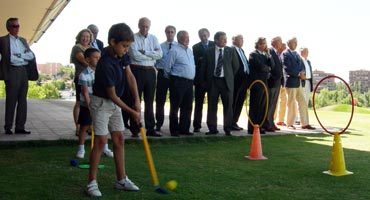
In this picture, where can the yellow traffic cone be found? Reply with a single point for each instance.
(337, 163)
(256, 147)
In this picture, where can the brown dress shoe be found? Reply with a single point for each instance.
(281, 124)
(309, 127)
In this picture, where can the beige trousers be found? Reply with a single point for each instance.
(282, 105)
(296, 95)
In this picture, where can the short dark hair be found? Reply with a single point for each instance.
(90, 51)
(10, 20)
(120, 32)
(218, 35)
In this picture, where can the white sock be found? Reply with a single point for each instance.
(92, 182)
(81, 147)
(106, 147)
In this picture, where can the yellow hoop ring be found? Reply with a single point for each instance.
(267, 101)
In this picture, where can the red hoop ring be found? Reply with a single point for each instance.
(267, 101)
(314, 108)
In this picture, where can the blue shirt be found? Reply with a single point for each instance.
(180, 62)
(110, 72)
(165, 46)
(86, 78)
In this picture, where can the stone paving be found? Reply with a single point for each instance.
(53, 120)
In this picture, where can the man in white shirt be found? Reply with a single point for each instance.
(308, 70)
(18, 57)
(144, 52)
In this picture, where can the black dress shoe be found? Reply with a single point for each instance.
(153, 133)
(228, 133)
(270, 129)
(186, 133)
(236, 128)
(212, 132)
(22, 131)
(158, 129)
(196, 130)
(8, 131)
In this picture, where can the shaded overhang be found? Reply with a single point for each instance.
(35, 16)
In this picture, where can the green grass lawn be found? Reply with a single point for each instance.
(205, 167)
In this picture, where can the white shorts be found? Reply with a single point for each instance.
(106, 116)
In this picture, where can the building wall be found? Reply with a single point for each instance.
(362, 77)
(49, 68)
(328, 83)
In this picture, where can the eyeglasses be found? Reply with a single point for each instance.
(14, 26)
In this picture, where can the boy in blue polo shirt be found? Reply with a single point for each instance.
(110, 79)
(86, 81)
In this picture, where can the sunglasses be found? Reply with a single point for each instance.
(14, 26)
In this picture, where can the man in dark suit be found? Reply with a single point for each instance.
(96, 43)
(274, 83)
(294, 76)
(219, 80)
(199, 89)
(261, 65)
(17, 57)
(241, 81)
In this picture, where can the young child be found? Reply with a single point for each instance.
(85, 81)
(111, 72)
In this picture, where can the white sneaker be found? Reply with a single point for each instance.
(127, 185)
(108, 153)
(80, 154)
(92, 189)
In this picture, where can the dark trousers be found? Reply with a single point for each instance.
(257, 105)
(240, 89)
(127, 98)
(160, 97)
(273, 99)
(146, 81)
(16, 88)
(219, 88)
(181, 97)
(199, 93)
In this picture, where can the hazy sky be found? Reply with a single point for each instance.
(335, 31)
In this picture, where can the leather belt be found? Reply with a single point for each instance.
(133, 66)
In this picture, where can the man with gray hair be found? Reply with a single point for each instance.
(308, 88)
(144, 52)
(274, 83)
(294, 76)
(241, 80)
(180, 68)
(98, 44)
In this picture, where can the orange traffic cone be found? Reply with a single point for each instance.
(337, 163)
(256, 147)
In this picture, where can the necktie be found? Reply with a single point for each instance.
(170, 45)
(205, 46)
(220, 63)
(244, 60)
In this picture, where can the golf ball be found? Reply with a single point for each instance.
(74, 162)
(171, 185)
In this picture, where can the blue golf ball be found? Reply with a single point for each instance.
(74, 162)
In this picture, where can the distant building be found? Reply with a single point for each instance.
(360, 78)
(49, 68)
(328, 83)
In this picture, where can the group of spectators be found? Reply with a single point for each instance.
(209, 69)
(136, 65)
